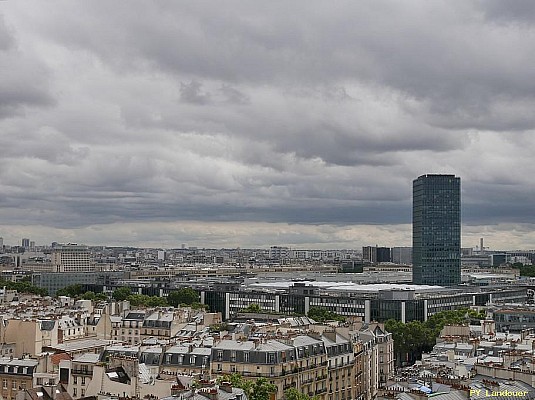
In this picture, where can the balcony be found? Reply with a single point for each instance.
(77, 371)
(288, 386)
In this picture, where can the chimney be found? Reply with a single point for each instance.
(226, 387)
(210, 394)
(330, 334)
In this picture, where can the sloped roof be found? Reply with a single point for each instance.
(56, 358)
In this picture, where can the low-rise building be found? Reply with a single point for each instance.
(16, 374)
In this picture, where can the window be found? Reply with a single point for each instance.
(83, 392)
(13, 384)
(4, 383)
(83, 380)
(74, 393)
(74, 380)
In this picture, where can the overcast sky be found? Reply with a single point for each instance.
(258, 123)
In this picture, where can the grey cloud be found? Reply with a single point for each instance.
(521, 11)
(233, 95)
(24, 78)
(192, 93)
(450, 58)
(173, 112)
(6, 39)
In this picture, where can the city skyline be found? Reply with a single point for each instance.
(258, 124)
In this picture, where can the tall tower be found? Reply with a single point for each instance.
(436, 230)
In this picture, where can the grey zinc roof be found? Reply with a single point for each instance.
(177, 350)
(136, 315)
(273, 345)
(305, 341)
(234, 345)
(17, 362)
(158, 316)
(203, 351)
(87, 358)
(75, 345)
(339, 340)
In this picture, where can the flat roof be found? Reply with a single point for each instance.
(75, 345)
(348, 286)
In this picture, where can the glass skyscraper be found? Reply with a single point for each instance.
(436, 230)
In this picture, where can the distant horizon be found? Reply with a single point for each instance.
(264, 247)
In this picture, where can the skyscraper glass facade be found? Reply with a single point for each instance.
(436, 230)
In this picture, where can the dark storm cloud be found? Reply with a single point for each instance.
(300, 112)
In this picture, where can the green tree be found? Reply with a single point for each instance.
(71, 291)
(413, 338)
(321, 314)
(294, 394)
(200, 306)
(255, 389)
(101, 296)
(122, 293)
(156, 301)
(23, 287)
(525, 270)
(185, 295)
(137, 300)
(252, 308)
(262, 389)
(88, 296)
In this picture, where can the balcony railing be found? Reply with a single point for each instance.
(77, 371)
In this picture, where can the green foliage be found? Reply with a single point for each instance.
(219, 327)
(23, 287)
(294, 394)
(525, 270)
(142, 300)
(200, 306)
(255, 389)
(262, 389)
(321, 314)
(75, 291)
(185, 295)
(88, 296)
(70, 291)
(121, 294)
(413, 338)
(101, 296)
(252, 308)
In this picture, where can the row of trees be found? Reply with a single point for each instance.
(24, 286)
(183, 296)
(318, 314)
(413, 338)
(525, 270)
(261, 388)
(321, 314)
